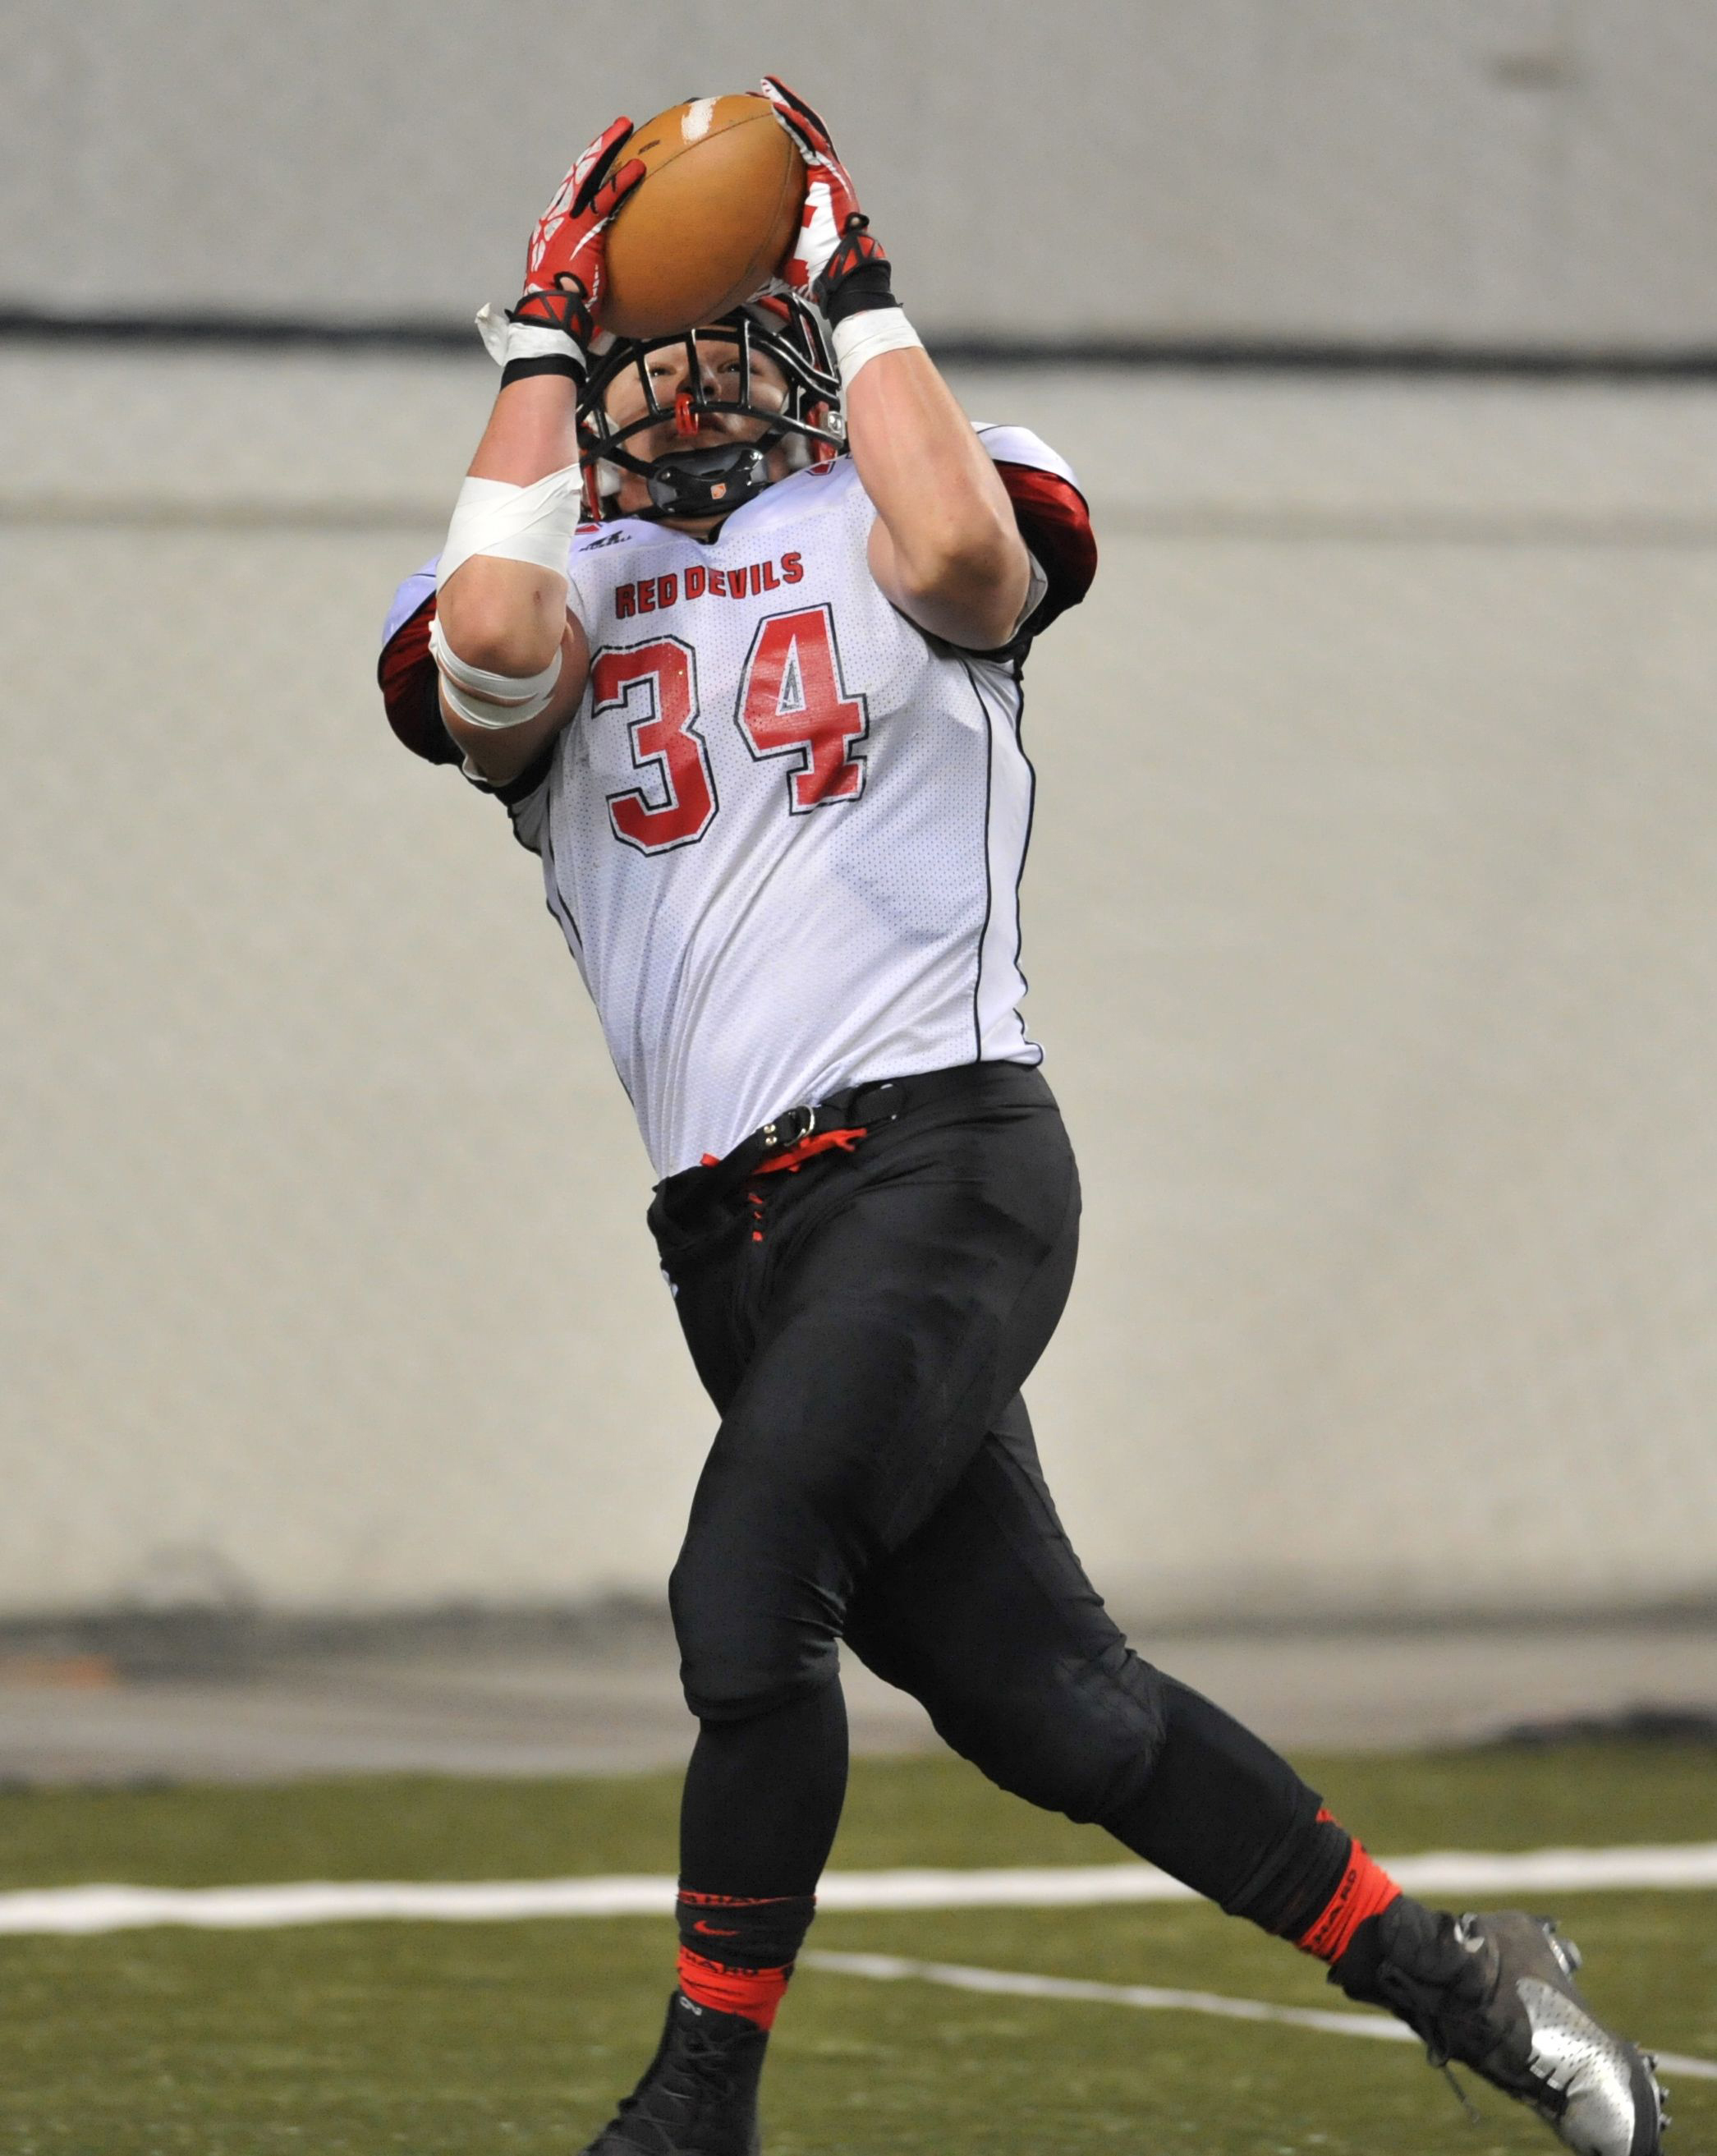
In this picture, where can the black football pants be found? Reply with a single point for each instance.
(865, 1324)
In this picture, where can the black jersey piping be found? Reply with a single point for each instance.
(1025, 848)
(983, 934)
(562, 914)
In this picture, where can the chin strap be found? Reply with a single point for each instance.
(708, 482)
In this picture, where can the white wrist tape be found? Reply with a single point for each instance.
(861, 337)
(493, 702)
(506, 340)
(514, 523)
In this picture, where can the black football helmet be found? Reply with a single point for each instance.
(708, 482)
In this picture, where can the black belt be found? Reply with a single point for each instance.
(863, 1108)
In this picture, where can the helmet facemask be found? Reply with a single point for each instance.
(711, 480)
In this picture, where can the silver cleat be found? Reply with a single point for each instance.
(1497, 1993)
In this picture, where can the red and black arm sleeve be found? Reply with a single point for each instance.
(1056, 524)
(411, 689)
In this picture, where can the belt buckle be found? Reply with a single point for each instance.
(792, 1125)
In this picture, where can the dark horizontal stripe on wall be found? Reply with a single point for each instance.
(1267, 356)
(235, 332)
(20, 325)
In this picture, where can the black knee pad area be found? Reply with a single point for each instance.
(736, 1661)
(717, 1690)
(1079, 1735)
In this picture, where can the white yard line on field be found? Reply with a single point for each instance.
(892, 1968)
(1451, 1873)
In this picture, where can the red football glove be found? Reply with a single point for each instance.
(835, 261)
(566, 266)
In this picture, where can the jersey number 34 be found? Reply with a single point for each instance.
(792, 703)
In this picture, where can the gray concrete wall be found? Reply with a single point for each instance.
(1369, 924)
(1536, 171)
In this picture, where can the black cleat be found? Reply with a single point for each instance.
(698, 2094)
(1496, 1994)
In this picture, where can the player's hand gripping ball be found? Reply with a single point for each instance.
(565, 269)
(718, 209)
(834, 238)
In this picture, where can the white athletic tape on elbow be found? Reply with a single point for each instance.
(532, 524)
(493, 702)
(864, 337)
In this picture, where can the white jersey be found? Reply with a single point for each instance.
(784, 832)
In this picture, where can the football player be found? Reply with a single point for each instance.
(758, 710)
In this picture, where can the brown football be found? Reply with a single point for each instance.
(708, 227)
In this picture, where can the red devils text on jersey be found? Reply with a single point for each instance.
(784, 832)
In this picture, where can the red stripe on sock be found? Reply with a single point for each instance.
(755, 1992)
(1365, 1889)
(732, 1901)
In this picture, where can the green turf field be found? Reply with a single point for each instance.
(516, 2037)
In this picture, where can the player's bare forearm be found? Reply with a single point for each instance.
(513, 661)
(506, 615)
(510, 617)
(945, 548)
